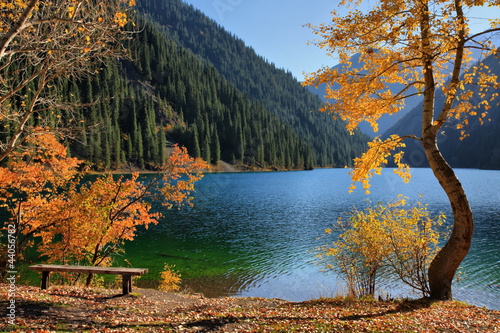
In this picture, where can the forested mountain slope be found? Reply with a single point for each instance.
(480, 149)
(169, 92)
(278, 91)
(223, 103)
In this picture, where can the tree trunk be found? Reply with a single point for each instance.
(445, 264)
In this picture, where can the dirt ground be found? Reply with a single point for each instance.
(74, 309)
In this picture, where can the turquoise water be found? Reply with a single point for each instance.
(253, 234)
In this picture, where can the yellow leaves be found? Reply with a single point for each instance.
(375, 158)
(117, 207)
(170, 279)
(404, 240)
(11, 5)
(403, 170)
(121, 19)
(391, 51)
(363, 94)
(77, 223)
(71, 11)
(36, 176)
(87, 48)
(180, 174)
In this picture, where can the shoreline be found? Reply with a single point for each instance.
(220, 168)
(64, 308)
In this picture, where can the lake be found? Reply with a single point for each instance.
(254, 234)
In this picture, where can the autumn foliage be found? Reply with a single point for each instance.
(107, 211)
(391, 51)
(43, 41)
(390, 238)
(41, 187)
(30, 185)
(170, 279)
(409, 49)
(85, 223)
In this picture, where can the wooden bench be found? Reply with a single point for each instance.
(126, 273)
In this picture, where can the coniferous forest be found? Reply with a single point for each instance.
(278, 90)
(201, 87)
(169, 93)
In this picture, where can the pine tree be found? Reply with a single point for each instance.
(162, 146)
(117, 146)
(196, 142)
(206, 149)
(216, 148)
(139, 148)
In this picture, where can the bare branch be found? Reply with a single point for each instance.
(45, 42)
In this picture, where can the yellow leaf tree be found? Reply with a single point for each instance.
(423, 46)
(101, 215)
(41, 41)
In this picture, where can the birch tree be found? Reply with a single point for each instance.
(421, 44)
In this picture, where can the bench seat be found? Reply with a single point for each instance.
(125, 272)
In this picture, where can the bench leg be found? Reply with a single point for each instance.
(126, 284)
(45, 279)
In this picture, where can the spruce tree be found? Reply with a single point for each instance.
(196, 142)
(139, 148)
(206, 149)
(162, 146)
(216, 148)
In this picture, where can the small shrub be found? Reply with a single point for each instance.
(98, 281)
(400, 240)
(413, 238)
(170, 279)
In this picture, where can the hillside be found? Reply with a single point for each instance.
(190, 82)
(480, 149)
(250, 73)
(169, 93)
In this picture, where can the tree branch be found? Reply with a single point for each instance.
(455, 78)
(17, 28)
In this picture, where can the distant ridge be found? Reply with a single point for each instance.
(481, 149)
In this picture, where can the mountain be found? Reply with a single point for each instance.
(277, 90)
(386, 121)
(168, 93)
(189, 81)
(480, 149)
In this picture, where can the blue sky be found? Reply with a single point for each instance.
(274, 28)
